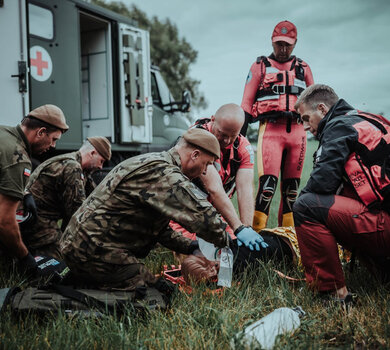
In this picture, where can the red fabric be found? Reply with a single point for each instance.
(178, 228)
(274, 141)
(349, 223)
(369, 179)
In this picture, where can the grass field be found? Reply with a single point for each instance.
(200, 321)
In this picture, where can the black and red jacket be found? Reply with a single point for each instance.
(349, 142)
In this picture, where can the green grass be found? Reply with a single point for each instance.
(200, 321)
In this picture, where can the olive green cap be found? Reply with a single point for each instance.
(203, 139)
(50, 114)
(102, 145)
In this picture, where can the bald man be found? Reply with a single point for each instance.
(233, 171)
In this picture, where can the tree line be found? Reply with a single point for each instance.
(171, 53)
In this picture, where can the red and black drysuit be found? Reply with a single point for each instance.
(324, 218)
(271, 90)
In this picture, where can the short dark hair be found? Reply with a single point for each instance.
(32, 123)
(316, 94)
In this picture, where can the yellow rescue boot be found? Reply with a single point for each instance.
(288, 220)
(259, 221)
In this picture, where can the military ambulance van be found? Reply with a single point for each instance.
(92, 63)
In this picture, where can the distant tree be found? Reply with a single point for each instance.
(174, 55)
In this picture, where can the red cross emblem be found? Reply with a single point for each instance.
(39, 63)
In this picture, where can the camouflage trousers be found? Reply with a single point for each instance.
(52, 250)
(43, 237)
(107, 276)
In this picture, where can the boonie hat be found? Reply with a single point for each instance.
(285, 31)
(203, 139)
(50, 114)
(102, 145)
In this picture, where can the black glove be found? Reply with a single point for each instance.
(166, 287)
(194, 245)
(28, 265)
(30, 206)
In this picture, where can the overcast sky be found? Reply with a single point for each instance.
(345, 42)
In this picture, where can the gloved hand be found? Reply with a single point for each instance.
(194, 245)
(164, 286)
(249, 237)
(28, 265)
(30, 206)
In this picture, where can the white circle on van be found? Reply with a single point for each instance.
(166, 120)
(41, 65)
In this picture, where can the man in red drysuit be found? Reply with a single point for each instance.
(332, 208)
(272, 87)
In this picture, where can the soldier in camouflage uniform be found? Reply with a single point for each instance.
(58, 187)
(38, 131)
(129, 211)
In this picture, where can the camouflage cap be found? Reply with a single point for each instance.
(203, 139)
(50, 114)
(102, 145)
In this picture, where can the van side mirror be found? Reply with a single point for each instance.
(185, 101)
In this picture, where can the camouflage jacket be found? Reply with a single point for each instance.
(57, 186)
(129, 211)
(15, 163)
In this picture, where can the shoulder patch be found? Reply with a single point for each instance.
(27, 172)
(249, 77)
(197, 192)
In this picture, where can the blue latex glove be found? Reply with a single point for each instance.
(250, 238)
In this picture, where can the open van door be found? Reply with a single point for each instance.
(14, 99)
(55, 63)
(134, 74)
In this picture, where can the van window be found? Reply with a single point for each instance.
(40, 22)
(163, 91)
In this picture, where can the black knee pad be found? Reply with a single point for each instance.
(289, 193)
(267, 187)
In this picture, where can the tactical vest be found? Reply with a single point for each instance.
(226, 163)
(368, 168)
(277, 86)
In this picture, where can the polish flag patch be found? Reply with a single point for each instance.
(27, 172)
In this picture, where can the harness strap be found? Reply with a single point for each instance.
(299, 70)
(263, 59)
(234, 163)
(83, 298)
(280, 90)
